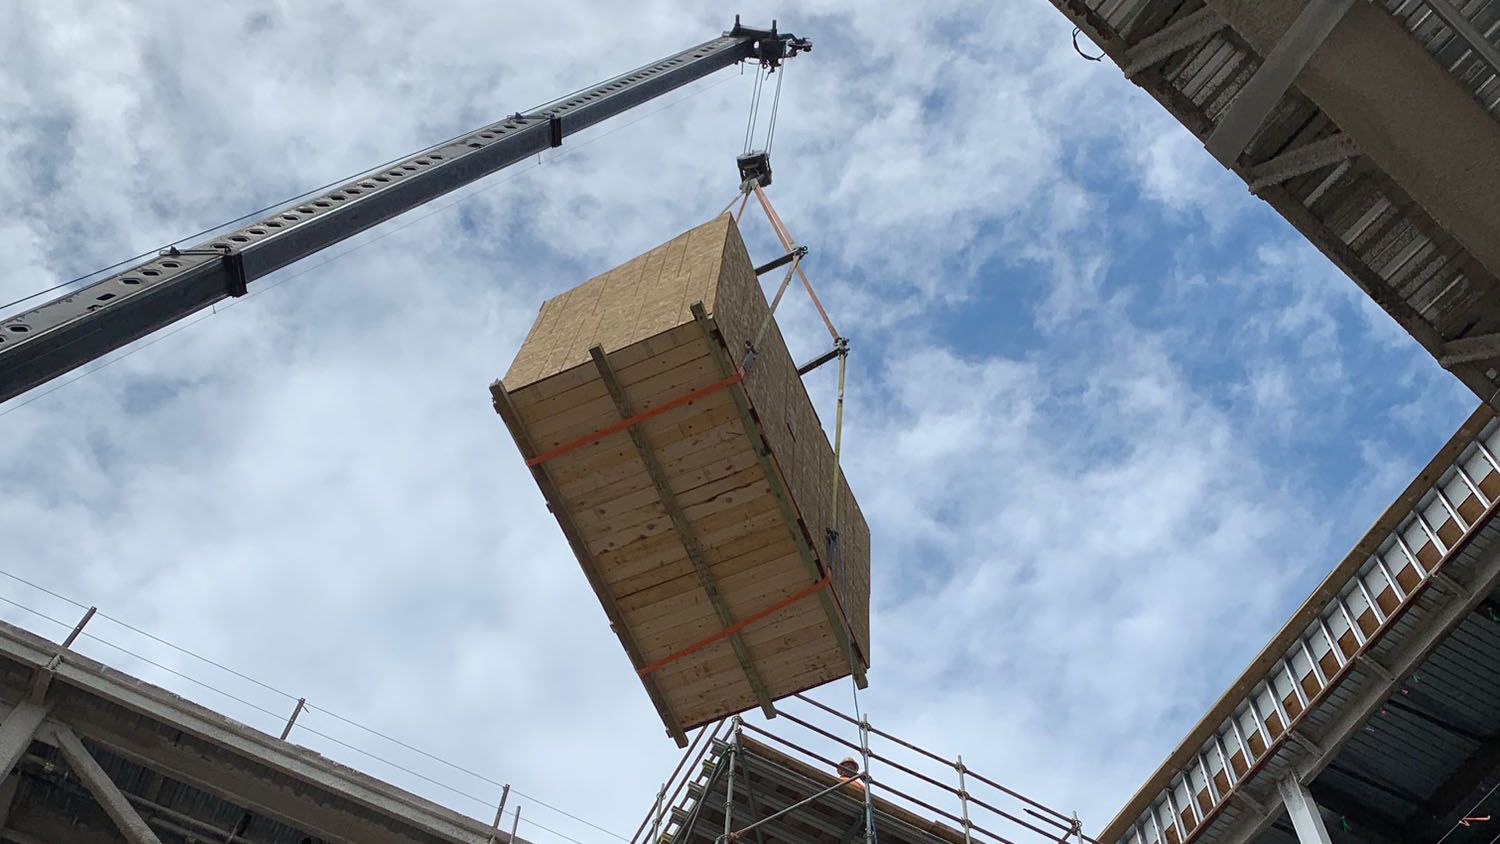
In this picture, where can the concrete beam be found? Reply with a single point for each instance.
(1303, 810)
(1303, 159)
(17, 731)
(1175, 37)
(1404, 110)
(216, 754)
(129, 822)
(1255, 102)
(1485, 347)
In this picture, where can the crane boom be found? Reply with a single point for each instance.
(72, 330)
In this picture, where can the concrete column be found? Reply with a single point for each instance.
(17, 731)
(113, 801)
(1304, 812)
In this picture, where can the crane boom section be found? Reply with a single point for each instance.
(54, 338)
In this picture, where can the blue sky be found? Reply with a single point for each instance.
(1109, 417)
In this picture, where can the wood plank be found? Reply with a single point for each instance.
(651, 377)
(684, 474)
(760, 575)
(636, 507)
(641, 352)
(698, 503)
(783, 499)
(697, 626)
(770, 532)
(680, 518)
(606, 599)
(747, 593)
(698, 683)
(578, 420)
(609, 460)
(643, 564)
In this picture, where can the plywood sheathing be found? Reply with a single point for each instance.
(641, 315)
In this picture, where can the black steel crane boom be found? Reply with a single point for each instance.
(68, 332)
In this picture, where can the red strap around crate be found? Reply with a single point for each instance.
(636, 419)
(735, 627)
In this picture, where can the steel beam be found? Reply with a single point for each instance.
(684, 528)
(1303, 810)
(129, 822)
(1275, 76)
(1456, 792)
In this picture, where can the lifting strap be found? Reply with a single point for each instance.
(636, 419)
(736, 627)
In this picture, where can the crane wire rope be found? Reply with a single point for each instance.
(775, 107)
(272, 285)
(754, 112)
(291, 697)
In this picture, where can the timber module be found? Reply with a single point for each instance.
(668, 427)
(700, 496)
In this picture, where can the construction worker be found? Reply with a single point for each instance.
(849, 772)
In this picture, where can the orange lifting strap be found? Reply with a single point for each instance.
(636, 419)
(736, 627)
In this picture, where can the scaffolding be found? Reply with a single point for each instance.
(779, 791)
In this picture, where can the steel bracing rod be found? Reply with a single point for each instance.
(70, 331)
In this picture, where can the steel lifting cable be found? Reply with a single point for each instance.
(750, 120)
(775, 107)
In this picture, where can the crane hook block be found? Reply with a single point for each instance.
(755, 165)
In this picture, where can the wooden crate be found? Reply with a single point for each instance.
(703, 526)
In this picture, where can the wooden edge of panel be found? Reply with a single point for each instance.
(507, 411)
(720, 353)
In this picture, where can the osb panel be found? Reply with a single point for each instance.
(708, 463)
(795, 434)
(642, 297)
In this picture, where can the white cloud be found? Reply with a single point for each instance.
(310, 486)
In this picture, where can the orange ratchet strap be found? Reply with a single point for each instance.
(736, 627)
(639, 417)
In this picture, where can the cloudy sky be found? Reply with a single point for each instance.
(1109, 418)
